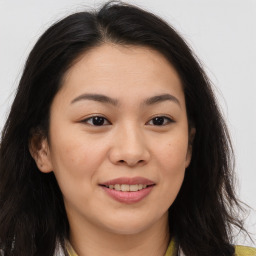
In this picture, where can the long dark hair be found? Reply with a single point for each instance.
(33, 217)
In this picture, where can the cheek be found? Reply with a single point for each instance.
(75, 167)
(75, 159)
(171, 159)
(172, 154)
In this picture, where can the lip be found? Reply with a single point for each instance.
(129, 181)
(128, 197)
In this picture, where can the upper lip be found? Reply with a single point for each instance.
(129, 181)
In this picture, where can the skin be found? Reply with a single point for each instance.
(128, 144)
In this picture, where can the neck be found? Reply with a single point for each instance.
(89, 240)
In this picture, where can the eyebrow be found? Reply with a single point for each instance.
(105, 99)
(96, 97)
(161, 98)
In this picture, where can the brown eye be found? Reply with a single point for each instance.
(160, 121)
(96, 121)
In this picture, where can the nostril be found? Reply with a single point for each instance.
(123, 161)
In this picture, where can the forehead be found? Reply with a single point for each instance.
(125, 58)
(122, 70)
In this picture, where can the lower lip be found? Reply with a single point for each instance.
(128, 197)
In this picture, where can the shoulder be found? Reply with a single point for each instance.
(245, 251)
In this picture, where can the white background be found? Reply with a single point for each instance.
(221, 32)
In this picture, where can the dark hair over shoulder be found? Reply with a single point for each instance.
(33, 218)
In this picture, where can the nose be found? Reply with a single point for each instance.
(129, 148)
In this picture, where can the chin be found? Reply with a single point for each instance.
(127, 229)
(130, 226)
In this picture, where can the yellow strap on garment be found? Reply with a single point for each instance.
(245, 251)
(70, 250)
(171, 248)
(239, 250)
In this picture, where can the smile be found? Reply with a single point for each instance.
(128, 190)
(127, 187)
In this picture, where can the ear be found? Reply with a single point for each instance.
(192, 134)
(40, 151)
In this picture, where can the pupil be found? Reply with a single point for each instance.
(158, 121)
(98, 120)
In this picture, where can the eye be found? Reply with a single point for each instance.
(96, 121)
(160, 121)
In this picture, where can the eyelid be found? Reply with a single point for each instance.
(169, 118)
(91, 117)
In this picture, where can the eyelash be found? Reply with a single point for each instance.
(167, 120)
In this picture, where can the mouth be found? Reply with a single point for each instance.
(128, 190)
(127, 187)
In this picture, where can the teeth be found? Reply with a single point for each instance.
(117, 187)
(134, 187)
(126, 187)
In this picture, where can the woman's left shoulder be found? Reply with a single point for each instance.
(245, 251)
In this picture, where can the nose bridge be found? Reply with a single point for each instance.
(129, 145)
(132, 137)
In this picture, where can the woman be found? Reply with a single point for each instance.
(115, 145)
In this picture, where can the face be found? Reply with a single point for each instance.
(118, 142)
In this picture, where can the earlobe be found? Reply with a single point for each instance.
(39, 150)
(192, 134)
